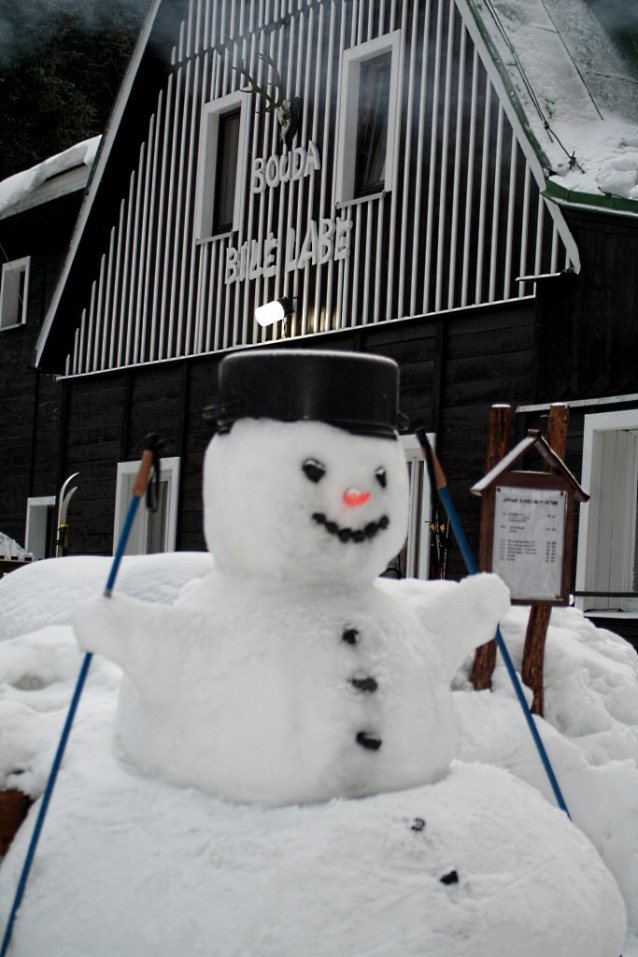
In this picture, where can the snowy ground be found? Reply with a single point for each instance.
(145, 847)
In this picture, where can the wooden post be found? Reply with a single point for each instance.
(497, 441)
(539, 615)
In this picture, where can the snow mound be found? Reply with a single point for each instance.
(590, 732)
(46, 592)
(619, 176)
(177, 866)
(136, 868)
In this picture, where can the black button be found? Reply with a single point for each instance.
(367, 741)
(365, 684)
(350, 636)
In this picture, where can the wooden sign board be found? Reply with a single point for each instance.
(527, 536)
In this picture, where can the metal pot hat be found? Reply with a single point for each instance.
(349, 390)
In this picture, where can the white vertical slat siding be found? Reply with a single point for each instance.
(496, 206)
(419, 157)
(117, 289)
(133, 299)
(464, 220)
(150, 206)
(522, 269)
(166, 298)
(80, 351)
(391, 306)
(163, 119)
(509, 232)
(442, 259)
(98, 320)
(467, 232)
(187, 278)
(141, 291)
(108, 295)
(478, 289)
(456, 183)
(407, 190)
(432, 181)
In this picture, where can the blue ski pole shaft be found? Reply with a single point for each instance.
(138, 491)
(441, 484)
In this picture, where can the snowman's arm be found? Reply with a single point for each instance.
(458, 616)
(141, 637)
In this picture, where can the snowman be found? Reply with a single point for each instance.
(293, 673)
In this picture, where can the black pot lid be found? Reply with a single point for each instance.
(350, 390)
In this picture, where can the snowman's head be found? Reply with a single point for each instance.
(304, 501)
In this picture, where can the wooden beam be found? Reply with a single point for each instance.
(538, 623)
(497, 440)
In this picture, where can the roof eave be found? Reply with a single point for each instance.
(43, 346)
(599, 202)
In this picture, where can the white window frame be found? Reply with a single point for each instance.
(207, 164)
(35, 533)
(13, 313)
(420, 508)
(126, 473)
(349, 79)
(606, 531)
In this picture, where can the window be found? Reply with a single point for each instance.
(41, 530)
(607, 546)
(372, 125)
(413, 560)
(368, 127)
(152, 532)
(13, 293)
(222, 156)
(227, 155)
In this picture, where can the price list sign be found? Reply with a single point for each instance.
(529, 541)
(527, 536)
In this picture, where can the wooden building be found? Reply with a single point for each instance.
(438, 181)
(38, 211)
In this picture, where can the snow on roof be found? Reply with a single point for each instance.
(56, 176)
(579, 93)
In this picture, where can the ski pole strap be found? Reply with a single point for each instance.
(453, 519)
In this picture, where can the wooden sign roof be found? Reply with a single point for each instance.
(534, 439)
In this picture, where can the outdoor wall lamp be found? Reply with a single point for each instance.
(274, 311)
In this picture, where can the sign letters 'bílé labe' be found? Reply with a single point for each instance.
(526, 536)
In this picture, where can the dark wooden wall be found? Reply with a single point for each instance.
(452, 369)
(588, 323)
(31, 401)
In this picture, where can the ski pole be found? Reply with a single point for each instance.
(150, 458)
(438, 479)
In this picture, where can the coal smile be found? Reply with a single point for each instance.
(352, 534)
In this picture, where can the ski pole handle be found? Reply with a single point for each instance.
(144, 473)
(150, 458)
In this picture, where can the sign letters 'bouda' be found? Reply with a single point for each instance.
(324, 239)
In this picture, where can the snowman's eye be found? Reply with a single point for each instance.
(313, 470)
(381, 477)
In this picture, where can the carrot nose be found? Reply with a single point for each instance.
(354, 497)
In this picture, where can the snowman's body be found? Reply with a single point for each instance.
(292, 674)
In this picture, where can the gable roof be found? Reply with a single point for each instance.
(546, 58)
(576, 89)
(122, 133)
